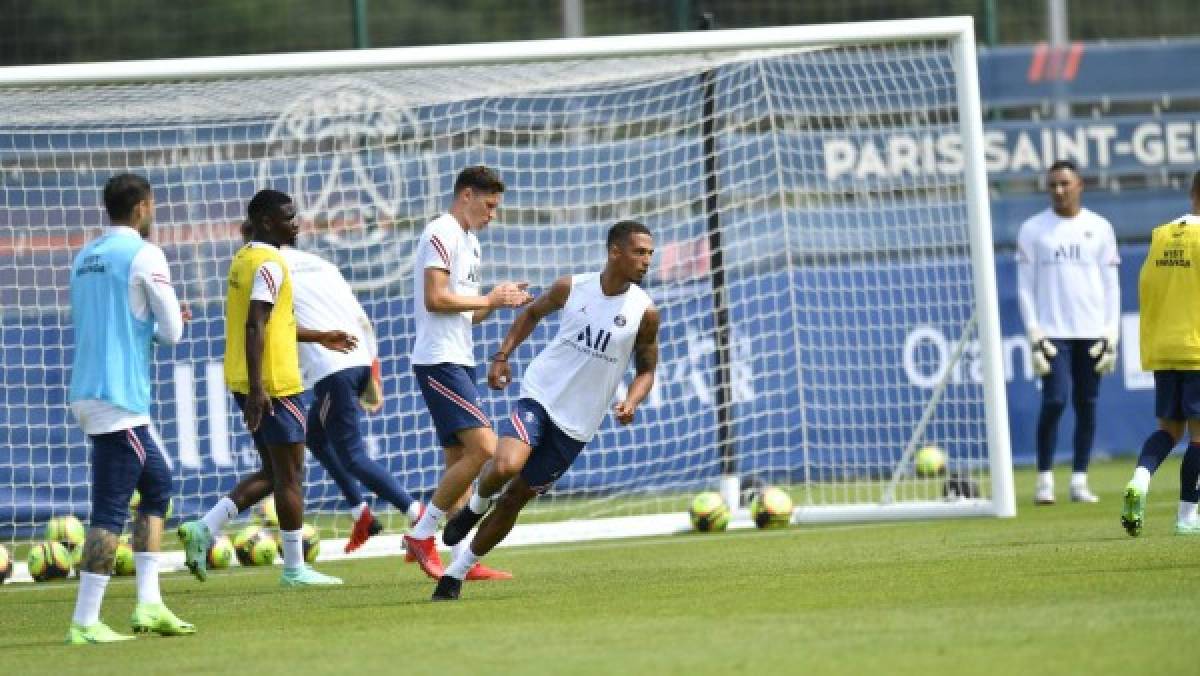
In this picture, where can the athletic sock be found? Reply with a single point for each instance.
(146, 565)
(1155, 449)
(89, 598)
(293, 548)
(414, 511)
(1141, 479)
(464, 560)
(1189, 474)
(222, 513)
(357, 511)
(1045, 481)
(428, 523)
(1187, 512)
(478, 504)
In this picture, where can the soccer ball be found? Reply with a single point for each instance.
(264, 512)
(68, 530)
(709, 513)
(930, 461)
(311, 542)
(254, 547)
(772, 508)
(6, 565)
(220, 553)
(123, 563)
(49, 561)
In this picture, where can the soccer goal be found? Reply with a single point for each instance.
(824, 263)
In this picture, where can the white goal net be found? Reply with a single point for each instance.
(823, 264)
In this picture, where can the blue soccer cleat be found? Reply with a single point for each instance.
(196, 540)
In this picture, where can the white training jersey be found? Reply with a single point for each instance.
(575, 377)
(445, 337)
(324, 301)
(1067, 275)
(150, 293)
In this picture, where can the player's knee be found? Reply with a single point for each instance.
(506, 466)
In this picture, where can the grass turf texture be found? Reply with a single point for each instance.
(1057, 590)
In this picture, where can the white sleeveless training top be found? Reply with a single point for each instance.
(575, 377)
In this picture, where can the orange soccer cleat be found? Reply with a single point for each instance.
(482, 572)
(364, 527)
(425, 553)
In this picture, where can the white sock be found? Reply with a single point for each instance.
(478, 504)
(293, 548)
(464, 560)
(1187, 511)
(428, 523)
(91, 595)
(1078, 479)
(1045, 481)
(457, 550)
(1141, 479)
(222, 513)
(146, 565)
(414, 511)
(358, 510)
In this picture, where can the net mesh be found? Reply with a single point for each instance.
(837, 178)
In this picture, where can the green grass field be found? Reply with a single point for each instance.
(1057, 590)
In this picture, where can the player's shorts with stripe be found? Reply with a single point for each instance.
(284, 424)
(452, 399)
(553, 451)
(1177, 395)
(122, 461)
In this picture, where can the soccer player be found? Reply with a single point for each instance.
(565, 392)
(447, 281)
(1070, 302)
(1168, 288)
(122, 303)
(341, 382)
(263, 371)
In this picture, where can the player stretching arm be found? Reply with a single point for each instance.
(565, 392)
(121, 303)
(263, 371)
(1170, 342)
(447, 303)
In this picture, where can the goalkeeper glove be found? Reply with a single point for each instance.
(1041, 351)
(1104, 351)
(372, 397)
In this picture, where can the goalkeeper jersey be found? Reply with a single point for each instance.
(1168, 289)
(1067, 275)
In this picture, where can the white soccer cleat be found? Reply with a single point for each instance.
(1082, 494)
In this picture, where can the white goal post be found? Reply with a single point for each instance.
(824, 263)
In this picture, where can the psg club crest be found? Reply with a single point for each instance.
(345, 152)
(619, 320)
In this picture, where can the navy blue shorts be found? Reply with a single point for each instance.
(553, 451)
(285, 424)
(121, 462)
(1177, 395)
(452, 399)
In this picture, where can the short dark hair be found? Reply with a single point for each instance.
(1196, 184)
(479, 178)
(1063, 164)
(620, 233)
(122, 193)
(265, 202)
